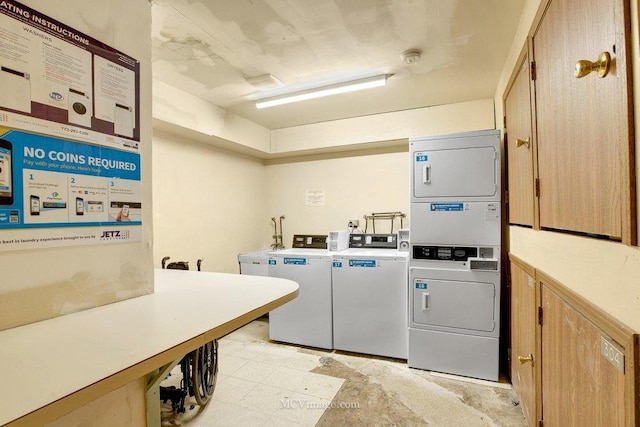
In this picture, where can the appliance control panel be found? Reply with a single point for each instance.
(309, 241)
(388, 241)
(477, 258)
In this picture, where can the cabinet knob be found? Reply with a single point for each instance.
(525, 142)
(601, 66)
(525, 359)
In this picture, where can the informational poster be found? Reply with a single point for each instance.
(60, 82)
(69, 136)
(56, 192)
(314, 197)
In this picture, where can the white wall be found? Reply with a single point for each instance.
(605, 273)
(353, 186)
(208, 203)
(229, 208)
(358, 182)
(440, 119)
(44, 283)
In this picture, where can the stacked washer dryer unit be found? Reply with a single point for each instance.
(454, 269)
(370, 296)
(308, 319)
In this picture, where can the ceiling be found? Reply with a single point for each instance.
(209, 48)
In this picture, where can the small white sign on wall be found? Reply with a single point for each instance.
(314, 197)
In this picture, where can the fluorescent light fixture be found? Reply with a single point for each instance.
(318, 92)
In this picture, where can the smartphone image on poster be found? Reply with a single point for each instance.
(125, 211)
(34, 202)
(79, 206)
(6, 173)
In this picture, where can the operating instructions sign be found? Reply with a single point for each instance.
(69, 135)
(61, 82)
(56, 192)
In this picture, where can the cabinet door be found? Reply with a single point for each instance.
(584, 147)
(519, 147)
(580, 386)
(523, 340)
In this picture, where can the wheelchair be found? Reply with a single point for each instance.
(199, 368)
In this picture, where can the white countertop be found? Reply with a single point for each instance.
(43, 362)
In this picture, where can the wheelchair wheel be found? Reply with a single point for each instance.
(205, 371)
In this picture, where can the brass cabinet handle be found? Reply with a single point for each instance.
(601, 66)
(525, 142)
(525, 359)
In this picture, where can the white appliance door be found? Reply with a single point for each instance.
(307, 319)
(461, 305)
(370, 306)
(456, 172)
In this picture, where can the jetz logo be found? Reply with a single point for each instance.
(115, 235)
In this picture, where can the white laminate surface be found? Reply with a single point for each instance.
(46, 361)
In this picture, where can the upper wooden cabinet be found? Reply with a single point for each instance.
(581, 129)
(519, 145)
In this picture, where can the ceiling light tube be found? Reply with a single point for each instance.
(318, 92)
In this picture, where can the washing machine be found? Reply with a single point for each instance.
(15, 90)
(255, 263)
(370, 296)
(80, 109)
(308, 319)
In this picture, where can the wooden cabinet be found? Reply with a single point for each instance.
(584, 368)
(519, 145)
(523, 337)
(582, 148)
(581, 386)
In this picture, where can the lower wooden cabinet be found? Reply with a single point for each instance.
(571, 363)
(579, 382)
(523, 338)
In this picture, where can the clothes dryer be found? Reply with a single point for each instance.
(370, 296)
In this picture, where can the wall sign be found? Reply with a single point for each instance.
(81, 183)
(61, 193)
(314, 197)
(61, 82)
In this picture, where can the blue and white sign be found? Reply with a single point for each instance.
(447, 207)
(66, 193)
(421, 285)
(422, 157)
(337, 264)
(295, 261)
(272, 262)
(362, 263)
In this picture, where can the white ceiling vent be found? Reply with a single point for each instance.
(264, 81)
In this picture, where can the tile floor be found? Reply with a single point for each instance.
(262, 383)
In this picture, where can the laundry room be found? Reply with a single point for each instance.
(392, 212)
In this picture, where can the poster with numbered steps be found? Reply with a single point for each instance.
(67, 193)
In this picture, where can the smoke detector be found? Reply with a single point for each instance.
(411, 56)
